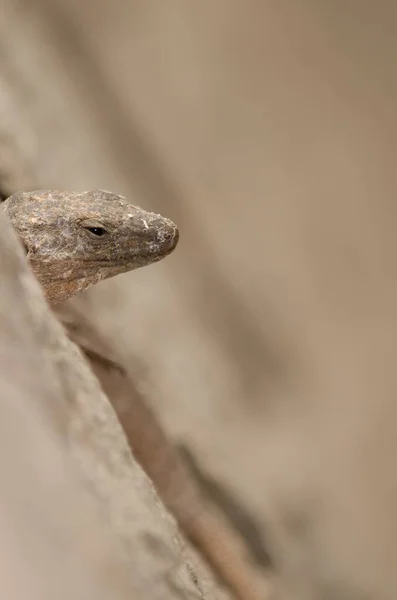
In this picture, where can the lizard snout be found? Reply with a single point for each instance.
(172, 237)
(167, 236)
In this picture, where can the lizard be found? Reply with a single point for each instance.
(73, 241)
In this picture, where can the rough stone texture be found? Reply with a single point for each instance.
(50, 376)
(268, 134)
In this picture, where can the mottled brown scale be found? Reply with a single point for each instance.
(67, 258)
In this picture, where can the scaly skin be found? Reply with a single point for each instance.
(74, 240)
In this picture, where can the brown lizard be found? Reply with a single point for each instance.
(73, 241)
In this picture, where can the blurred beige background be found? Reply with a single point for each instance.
(267, 131)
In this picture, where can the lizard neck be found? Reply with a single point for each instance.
(55, 293)
(61, 283)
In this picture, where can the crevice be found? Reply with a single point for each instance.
(233, 508)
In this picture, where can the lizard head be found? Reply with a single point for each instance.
(74, 240)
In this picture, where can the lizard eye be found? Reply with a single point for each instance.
(96, 230)
(94, 227)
